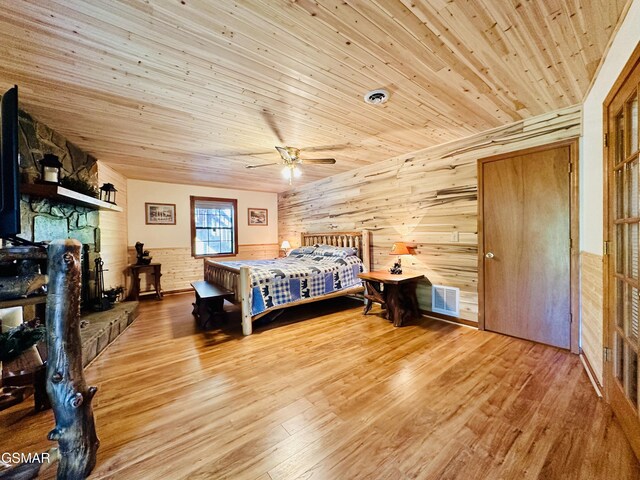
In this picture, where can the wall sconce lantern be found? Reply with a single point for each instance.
(50, 168)
(108, 193)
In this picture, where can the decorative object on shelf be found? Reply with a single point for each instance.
(399, 248)
(108, 193)
(258, 216)
(50, 168)
(80, 186)
(142, 255)
(160, 213)
(285, 247)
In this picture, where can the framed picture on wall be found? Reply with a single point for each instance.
(160, 213)
(258, 216)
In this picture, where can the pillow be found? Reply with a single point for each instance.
(331, 251)
(303, 250)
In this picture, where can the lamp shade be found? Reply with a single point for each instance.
(285, 245)
(399, 248)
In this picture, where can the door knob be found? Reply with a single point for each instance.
(489, 255)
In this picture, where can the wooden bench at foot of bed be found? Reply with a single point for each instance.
(209, 304)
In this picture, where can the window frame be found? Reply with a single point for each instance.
(232, 201)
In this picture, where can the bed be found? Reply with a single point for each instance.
(307, 275)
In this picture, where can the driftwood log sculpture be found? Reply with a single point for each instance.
(69, 394)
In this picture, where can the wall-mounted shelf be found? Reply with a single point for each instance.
(64, 195)
(21, 302)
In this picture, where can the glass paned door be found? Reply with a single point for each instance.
(623, 287)
(626, 224)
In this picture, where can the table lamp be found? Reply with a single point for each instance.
(285, 247)
(399, 248)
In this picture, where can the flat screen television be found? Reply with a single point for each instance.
(9, 167)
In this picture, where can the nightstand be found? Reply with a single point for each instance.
(396, 292)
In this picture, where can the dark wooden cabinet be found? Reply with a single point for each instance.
(135, 271)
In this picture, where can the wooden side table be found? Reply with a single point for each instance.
(396, 292)
(135, 280)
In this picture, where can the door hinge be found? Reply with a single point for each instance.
(606, 247)
(571, 318)
(606, 139)
(606, 354)
(570, 167)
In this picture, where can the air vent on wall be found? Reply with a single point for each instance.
(445, 300)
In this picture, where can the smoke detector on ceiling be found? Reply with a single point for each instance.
(376, 97)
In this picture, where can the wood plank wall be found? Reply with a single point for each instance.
(591, 310)
(426, 198)
(113, 229)
(179, 268)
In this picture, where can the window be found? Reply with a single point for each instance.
(214, 226)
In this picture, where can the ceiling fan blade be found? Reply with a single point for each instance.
(327, 148)
(262, 165)
(269, 119)
(320, 161)
(247, 154)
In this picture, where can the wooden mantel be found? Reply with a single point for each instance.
(64, 195)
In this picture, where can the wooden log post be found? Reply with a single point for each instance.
(245, 300)
(67, 389)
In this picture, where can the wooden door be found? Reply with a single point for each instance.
(526, 232)
(622, 220)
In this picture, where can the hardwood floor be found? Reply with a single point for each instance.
(337, 396)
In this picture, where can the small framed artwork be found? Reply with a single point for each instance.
(258, 216)
(160, 213)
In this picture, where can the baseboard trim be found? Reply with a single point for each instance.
(175, 292)
(449, 318)
(591, 374)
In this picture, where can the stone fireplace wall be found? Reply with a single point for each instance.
(43, 219)
(36, 139)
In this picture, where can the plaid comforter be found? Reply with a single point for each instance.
(285, 280)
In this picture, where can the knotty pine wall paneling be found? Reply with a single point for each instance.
(591, 310)
(113, 229)
(179, 268)
(426, 198)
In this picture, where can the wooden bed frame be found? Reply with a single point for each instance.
(238, 280)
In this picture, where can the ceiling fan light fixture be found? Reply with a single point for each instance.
(376, 97)
(290, 172)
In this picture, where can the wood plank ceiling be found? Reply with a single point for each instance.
(185, 91)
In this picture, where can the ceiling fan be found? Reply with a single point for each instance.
(291, 161)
